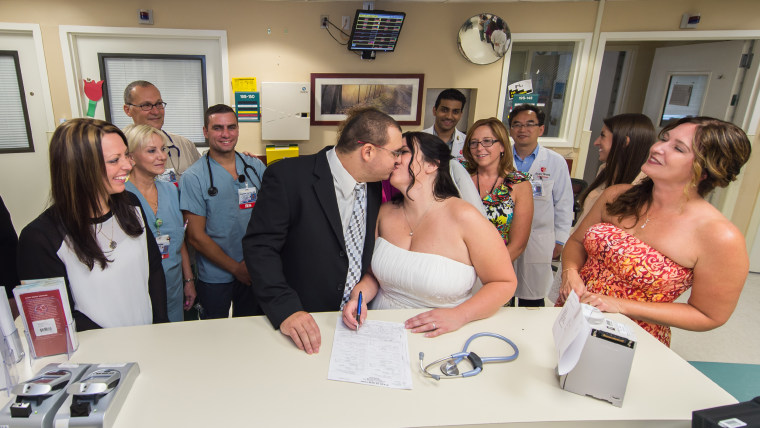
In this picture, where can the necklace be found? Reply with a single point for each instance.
(411, 229)
(112, 243)
(153, 204)
(151, 195)
(477, 178)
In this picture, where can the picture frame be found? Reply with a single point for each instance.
(333, 94)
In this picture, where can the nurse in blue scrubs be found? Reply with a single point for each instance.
(160, 202)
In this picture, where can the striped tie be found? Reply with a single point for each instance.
(354, 237)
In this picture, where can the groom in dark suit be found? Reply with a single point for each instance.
(296, 245)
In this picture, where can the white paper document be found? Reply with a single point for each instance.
(378, 354)
(571, 329)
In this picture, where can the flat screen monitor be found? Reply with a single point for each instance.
(375, 30)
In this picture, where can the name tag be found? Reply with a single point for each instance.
(247, 197)
(169, 176)
(163, 245)
(538, 188)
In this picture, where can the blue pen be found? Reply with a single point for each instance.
(359, 312)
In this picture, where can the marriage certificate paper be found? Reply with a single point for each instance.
(378, 354)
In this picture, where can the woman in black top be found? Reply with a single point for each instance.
(93, 235)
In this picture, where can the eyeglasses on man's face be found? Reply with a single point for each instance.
(485, 142)
(148, 107)
(396, 153)
(518, 125)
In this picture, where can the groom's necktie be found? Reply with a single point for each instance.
(354, 237)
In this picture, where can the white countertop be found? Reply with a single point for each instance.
(241, 372)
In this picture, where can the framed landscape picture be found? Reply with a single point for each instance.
(399, 95)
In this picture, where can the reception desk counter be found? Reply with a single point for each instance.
(240, 372)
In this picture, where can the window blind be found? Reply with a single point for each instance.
(180, 78)
(15, 131)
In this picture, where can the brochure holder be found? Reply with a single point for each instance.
(70, 332)
(12, 353)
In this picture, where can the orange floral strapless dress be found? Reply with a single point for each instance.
(621, 265)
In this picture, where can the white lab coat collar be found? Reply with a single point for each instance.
(540, 158)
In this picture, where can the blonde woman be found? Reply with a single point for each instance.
(160, 202)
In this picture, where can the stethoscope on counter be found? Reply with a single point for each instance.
(449, 368)
(212, 190)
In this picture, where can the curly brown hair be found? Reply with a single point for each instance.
(720, 150)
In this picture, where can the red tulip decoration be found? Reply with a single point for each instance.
(94, 92)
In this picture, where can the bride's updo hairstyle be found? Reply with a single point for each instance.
(434, 151)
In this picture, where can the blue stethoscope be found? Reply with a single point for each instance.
(213, 191)
(449, 369)
(173, 146)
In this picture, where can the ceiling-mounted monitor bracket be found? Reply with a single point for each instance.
(369, 5)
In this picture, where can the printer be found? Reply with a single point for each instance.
(595, 353)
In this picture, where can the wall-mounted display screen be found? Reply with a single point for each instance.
(375, 30)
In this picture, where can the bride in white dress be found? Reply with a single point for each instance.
(431, 247)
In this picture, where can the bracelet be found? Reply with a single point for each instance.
(565, 270)
(189, 280)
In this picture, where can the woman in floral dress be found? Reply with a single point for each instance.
(643, 245)
(506, 192)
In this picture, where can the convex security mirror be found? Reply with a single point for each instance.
(484, 38)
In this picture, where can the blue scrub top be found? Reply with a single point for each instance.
(226, 222)
(173, 225)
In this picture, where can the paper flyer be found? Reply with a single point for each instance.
(44, 308)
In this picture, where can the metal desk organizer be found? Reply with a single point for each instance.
(96, 399)
(75, 395)
(38, 399)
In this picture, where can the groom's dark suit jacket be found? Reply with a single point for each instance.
(294, 247)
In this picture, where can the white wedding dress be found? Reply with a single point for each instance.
(418, 280)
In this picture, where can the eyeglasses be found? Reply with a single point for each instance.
(529, 125)
(148, 107)
(396, 153)
(485, 142)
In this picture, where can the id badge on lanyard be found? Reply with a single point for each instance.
(247, 197)
(169, 175)
(538, 187)
(538, 182)
(163, 245)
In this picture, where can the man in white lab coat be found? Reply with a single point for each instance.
(552, 204)
(447, 111)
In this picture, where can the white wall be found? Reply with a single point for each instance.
(25, 177)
